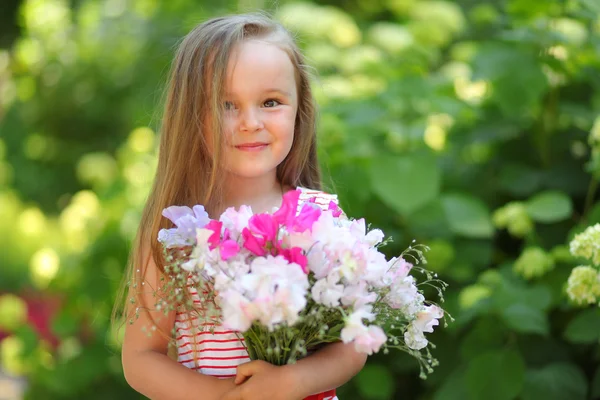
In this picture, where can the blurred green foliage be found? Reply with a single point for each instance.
(471, 126)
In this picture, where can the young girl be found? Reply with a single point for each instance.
(238, 128)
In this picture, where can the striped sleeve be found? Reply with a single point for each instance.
(322, 199)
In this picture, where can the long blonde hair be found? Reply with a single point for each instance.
(189, 164)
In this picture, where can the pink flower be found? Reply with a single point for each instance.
(215, 238)
(253, 244)
(335, 209)
(264, 225)
(228, 249)
(289, 206)
(306, 218)
(295, 255)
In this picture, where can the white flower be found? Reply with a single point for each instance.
(328, 233)
(352, 264)
(275, 288)
(358, 295)
(359, 231)
(327, 291)
(374, 237)
(370, 341)
(414, 338)
(377, 268)
(428, 318)
(354, 324)
(425, 320)
(303, 240)
(238, 312)
(318, 262)
(235, 221)
(405, 296)
(202, 258)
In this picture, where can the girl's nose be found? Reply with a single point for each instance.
(251, 121)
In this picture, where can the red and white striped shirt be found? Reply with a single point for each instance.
(218, 354)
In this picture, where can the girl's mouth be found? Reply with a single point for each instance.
(257, 146)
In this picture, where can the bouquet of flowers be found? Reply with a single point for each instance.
(291, 281)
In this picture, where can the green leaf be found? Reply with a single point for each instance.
(454, 387)
(585, 327)
(375, 382)
(538, 297)
(516, 76)
(430, 221)
(550, 206)
(407, 182)
(496, 375)
(525, 319)
(467, 215)
(519, 180)
(555, 382)
(486, 335)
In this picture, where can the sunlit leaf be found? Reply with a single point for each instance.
(406, 182)
(549, 207)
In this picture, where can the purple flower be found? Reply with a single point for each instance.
(186, 221)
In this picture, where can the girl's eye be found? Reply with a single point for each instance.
(271, 103)
(228, 105)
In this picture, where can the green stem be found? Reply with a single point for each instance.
(589, 198)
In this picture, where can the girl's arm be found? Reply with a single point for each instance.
(146, 365)
(327, 369)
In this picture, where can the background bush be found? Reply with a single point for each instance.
(467, 125)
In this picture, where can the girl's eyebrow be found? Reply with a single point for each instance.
(283, 92)
(280, 91)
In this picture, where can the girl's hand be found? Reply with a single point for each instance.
(262, 380)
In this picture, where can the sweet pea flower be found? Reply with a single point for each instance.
(186, 221)
(238, 311)
(236, 220)
(328, 291)
(286, 214)
(428, 318)
(253, 244)
(425, 320)
(336, 211)
(264, 225)
(354, 325)
(295, 255)
(414, 338)
(306, 218)
(229, 248)
(370, 341)
(405, 296)
(358, 295)
(215, 238)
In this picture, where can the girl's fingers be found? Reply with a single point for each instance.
(248, 369)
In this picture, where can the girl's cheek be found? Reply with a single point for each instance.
(230, 125)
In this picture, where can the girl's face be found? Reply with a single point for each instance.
(260, 109)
